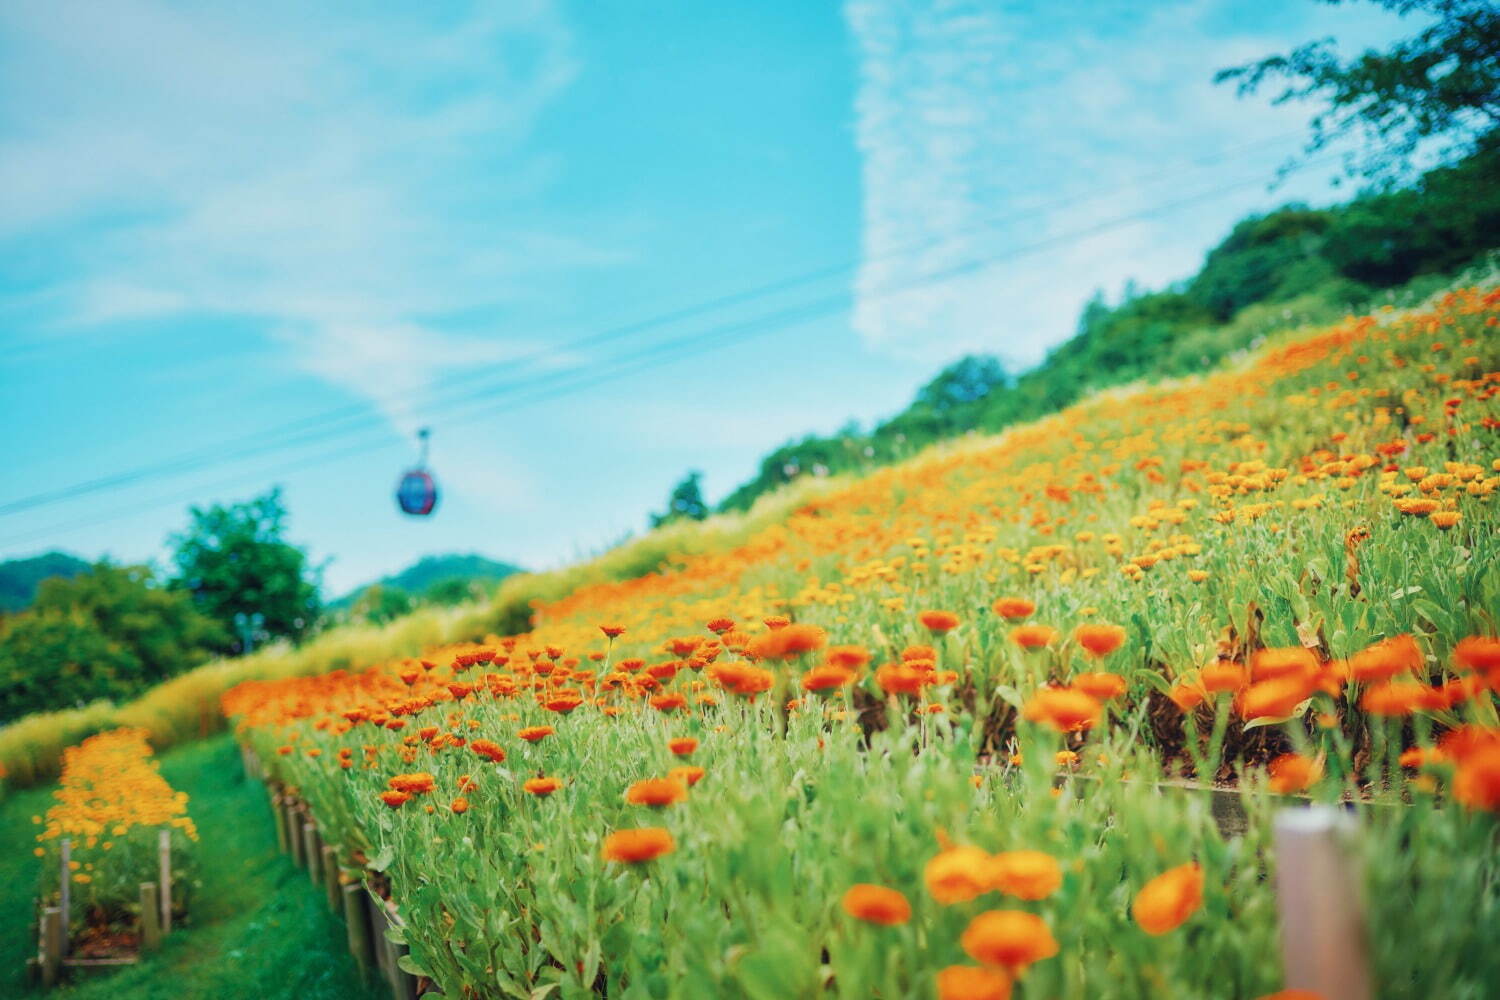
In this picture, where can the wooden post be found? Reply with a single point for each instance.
(357, 923)
(1320, 898)
(51, 945)
(331, 876)
(294, 833)
(312, 847)
(65, 890)
(278, 814)
(164, 851)
(150, 918)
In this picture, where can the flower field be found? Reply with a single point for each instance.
(945, 731)
(112, 806)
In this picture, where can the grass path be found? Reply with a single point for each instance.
(260, 930)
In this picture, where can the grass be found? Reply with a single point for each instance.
(259, 928)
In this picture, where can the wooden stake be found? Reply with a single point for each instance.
(331, 876)
(294, 833)
(1319, 896)
(65, 890)
(51, 945)
(312, 847)
(357, 923)
(150, 918)
(278, 814)
(164, 851)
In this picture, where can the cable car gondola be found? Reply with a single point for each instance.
(417, 493)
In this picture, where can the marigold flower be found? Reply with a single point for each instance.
(1169, 899)
(1027, 874)
(1014, 608)
(938, 621)
(1187, 696)
(1293, 772)
(902, 678)
(1033, 636)
(668, 702)
(413, 784)
(718, 626)
(825, 677)
(1284, 661)
(876, 904)
(1479, 653)
(656, 792)
(1273, 698)
(1385, 659)
(1222, 675)
(1011, 939)
(1401, 698)
(1100, 685)
(395, 799)
(972, 982)
(488, 749)
(682, 745)
(688, 774)
(959, 874)
(1477, 781)
(634, 846)
(541, 787)
(460, 805)
(1100, 640)
(535, 734)
(1065, 709)
(849, 658)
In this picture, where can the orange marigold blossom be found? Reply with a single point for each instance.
(395, 799)
(535, 734)
(827, 677)
(1401, 698)
(1293, 772)
(1099, 640)
(938, 621)
(959, 874)
(413, 784)
(1027, 875)
(612, 631)
(1222, 675)
(1011, 939)
(1166, 901)
(1014, 608)
(1033, 636)
(488, 749)
(656, 792)
(1100, 685)
(1283, 661)
(1476, 783)
(681, 746)
(876, 904)
(638, 845)
(1385, 659)
(847, 657)
(972, 982)
(1274, 698)
(1478, 653)
(787, 642)
(688, 774)
(541, 786)
(1065, 709)
(460, 805)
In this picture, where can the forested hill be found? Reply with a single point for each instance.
(1294, 264)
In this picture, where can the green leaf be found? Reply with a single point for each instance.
(383, 858)
(1010, 695)
(410, 965)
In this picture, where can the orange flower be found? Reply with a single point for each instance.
(1401, 698)
(718, 626)
(688, 774)
(1027, 874)
(1283, 661)
(413, 784)
(938, 621)
(542, 787)
(1480, 653)
(876, 904)
(668, 702)
(489, 750)
(1064, 709)
(535, 734)
(1477, 782)
(1014, 608)
(1169, 899)
(1385, 659)
(1033, 636)
(826, 677)
(1100, 685)
(1012, 939)
(850, 658)
(1100, 640)
(1293, 772)
(1273, 698)
(1187, 696)
(613, 631)
(959, 874)
(1222, 675)
(972, 982)
(460, 805)
(656, 792)
(635, 846)
(682, 745)
(787, 642)
(395, 799)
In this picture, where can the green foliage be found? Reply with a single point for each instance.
(234, 561)
(441, 579)
(686, 501)
(379, 604)
(19, 578)
(109, 633)
(1442, 83)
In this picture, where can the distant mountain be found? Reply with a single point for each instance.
(429, 571)
(19, 577)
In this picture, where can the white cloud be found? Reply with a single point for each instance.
(345, 180)
(968, 111)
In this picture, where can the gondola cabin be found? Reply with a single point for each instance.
(417, 493)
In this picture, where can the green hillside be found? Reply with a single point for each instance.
(434, 572)
(19, 578)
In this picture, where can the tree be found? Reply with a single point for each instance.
(233, 560)
(1442, 83)
(109, 633)
(380, 603)
(686, 501)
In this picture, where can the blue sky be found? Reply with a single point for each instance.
(224, 219)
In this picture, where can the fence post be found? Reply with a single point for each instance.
(278, 815)
(164, 851)
(65, 889)
(331, 875)
(51, 945)
(357, 923)
(312, 847)
(294, 832)
(150, 918)
(1320, 896)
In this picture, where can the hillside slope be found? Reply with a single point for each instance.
(19, 578)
